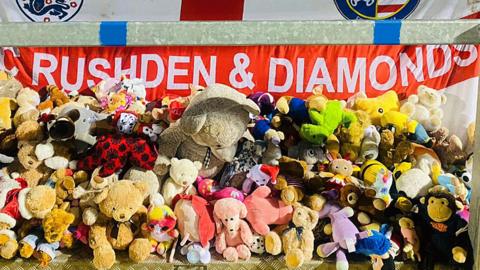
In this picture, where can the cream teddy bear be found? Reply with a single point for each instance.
(183, 174)
(425, 107)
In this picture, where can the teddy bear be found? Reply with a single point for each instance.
(233, 234)
(122, 203)
(86, 193)
(43, 242)
(183, 173)
(28, 165)
(22, 203)
(65, 181)
(424, 107)
(209, 130)
(138, 174)
(27, 100)
(376, 106)
(56, 98)
(297, 240)
(263, 210)
(103, 254)
(449, 148)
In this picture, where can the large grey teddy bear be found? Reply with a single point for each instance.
(208, 131)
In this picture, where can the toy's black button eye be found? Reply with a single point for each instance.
(231, 218)
(380, 110)
(466, 179)
(226, 219)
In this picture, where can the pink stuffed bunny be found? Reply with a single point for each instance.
(233, 233)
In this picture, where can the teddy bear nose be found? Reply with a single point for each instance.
(122, 216)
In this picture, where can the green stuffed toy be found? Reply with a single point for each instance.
(325, 122)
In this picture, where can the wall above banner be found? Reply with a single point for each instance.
(280, 70)
(247, 10)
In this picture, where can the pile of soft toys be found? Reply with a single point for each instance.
(219, 172)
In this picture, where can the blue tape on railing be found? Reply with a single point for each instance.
(387, 32)
(113, 33)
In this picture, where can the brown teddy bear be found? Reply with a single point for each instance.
(122, 203)
(56, 98)
(28, 165)
(297, 241)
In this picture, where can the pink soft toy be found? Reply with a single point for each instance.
(211, 191)
(263, 210)
(233, 233)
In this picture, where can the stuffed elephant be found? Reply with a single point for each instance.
(208, 131)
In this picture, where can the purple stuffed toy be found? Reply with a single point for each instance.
(344, 234)
(265, 101)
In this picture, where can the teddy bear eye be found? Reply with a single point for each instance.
(380, 110)
(231, 218)
(345, 168)
(226, 219)
(113, 209)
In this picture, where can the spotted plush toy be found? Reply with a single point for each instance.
(113, 152)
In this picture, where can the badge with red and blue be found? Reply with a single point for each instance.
(376, 9)
(49, 10)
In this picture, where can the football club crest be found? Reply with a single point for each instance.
(376, 9)
(49, 10)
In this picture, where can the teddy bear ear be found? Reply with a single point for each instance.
(197, 164)
(192, 124)
(142, 186)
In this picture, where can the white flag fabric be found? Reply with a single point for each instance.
(176, 10)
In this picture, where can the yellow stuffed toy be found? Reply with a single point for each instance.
(377, 106)
(8, 105)
(402, 125)
(160, 226)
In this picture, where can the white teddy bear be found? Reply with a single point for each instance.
(425, 107)
(183, 173)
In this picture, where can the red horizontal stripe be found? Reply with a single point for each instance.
(388, 8)
(475, 15)
(211, 10)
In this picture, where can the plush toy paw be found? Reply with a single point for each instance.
(161, 250)
(139, 249)
(316, 202)
(243, 252)
(196, 253)
(103, 257)
(294, 258)
(342, 265)
(26, 250)
(459, 254)
(56, 163)
(273, 243)
(282, 105)
(89, 216)
(276, 121)
(9, 249)
(230, 254)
